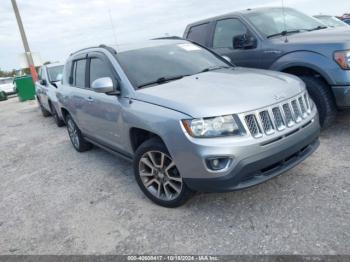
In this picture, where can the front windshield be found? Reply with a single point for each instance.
(6, 81)
(54, 72)
(331, 21)
(276, 20)
(147, 65)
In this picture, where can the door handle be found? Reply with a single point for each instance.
(89, 99)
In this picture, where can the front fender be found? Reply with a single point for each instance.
(159, 120)
(326, 67)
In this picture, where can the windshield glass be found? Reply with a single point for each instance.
(331, 21)
(147, 65)
(54, 72)
(6, 81)
(276, 20)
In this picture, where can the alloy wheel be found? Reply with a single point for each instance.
(73, 133)
(160, 176)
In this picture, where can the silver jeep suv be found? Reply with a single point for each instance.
(188, 119)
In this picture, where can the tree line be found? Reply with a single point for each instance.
(4, 73)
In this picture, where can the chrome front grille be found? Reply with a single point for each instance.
(278, 117)
(279, 121)
(288, 115)
(253, 125)
(266, 122)
(302, 107)
(296, 110)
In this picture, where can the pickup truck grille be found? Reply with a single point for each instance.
(278, 117)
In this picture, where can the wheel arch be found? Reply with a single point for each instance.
(138, 136)
(64, 113)
(306, 62)
(310, 72)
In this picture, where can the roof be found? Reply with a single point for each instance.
(238, 13)
(137, 45)
(148, 43)
(323, 16)
(54, 64)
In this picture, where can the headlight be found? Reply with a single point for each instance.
(212, 127)
(343, 59)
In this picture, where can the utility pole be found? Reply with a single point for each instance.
(25, 42)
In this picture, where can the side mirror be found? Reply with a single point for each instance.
(245, 41)
(103, 85)
(43, 82)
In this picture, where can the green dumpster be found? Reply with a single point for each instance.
(25, 88)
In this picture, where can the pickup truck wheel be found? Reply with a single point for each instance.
(157, 175)
(59, 122)
(323, 98)
(76, 137)
(44, 112)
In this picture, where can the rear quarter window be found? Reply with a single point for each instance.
(198, 33)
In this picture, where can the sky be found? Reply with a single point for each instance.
(55, 28)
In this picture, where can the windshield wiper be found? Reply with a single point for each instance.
(320, 27)
(284, 33)
(162, 80)
(214, 68)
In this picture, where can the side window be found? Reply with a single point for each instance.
(98, 69)
(199, 33)
(79, 69)
(42, 74)
(226, 30)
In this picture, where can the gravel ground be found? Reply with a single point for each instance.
(54, 200)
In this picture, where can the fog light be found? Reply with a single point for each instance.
(217, 163)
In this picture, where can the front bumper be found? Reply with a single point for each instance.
(342, 96)
(252, 163)
(257, 169)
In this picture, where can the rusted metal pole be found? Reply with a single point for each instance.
(25, 42)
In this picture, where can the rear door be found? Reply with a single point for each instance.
(80, 95)
(199, 33)
(222, 42)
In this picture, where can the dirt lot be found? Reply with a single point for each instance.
(54, 200)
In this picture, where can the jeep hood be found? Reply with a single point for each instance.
(223, 92)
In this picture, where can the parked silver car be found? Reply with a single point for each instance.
(188, 119)
(50, 77)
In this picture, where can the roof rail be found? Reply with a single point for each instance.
(108, 48)
(168, 38)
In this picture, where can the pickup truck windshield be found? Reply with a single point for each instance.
(331, 21)
(160, 64)
(275, 21)
(53, 72)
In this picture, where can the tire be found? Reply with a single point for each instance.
(44, 112)
(323, 98)
(165, 184)
(58, 121)
(76, 137)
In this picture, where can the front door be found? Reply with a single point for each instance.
(222, 43)
(102, 113)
